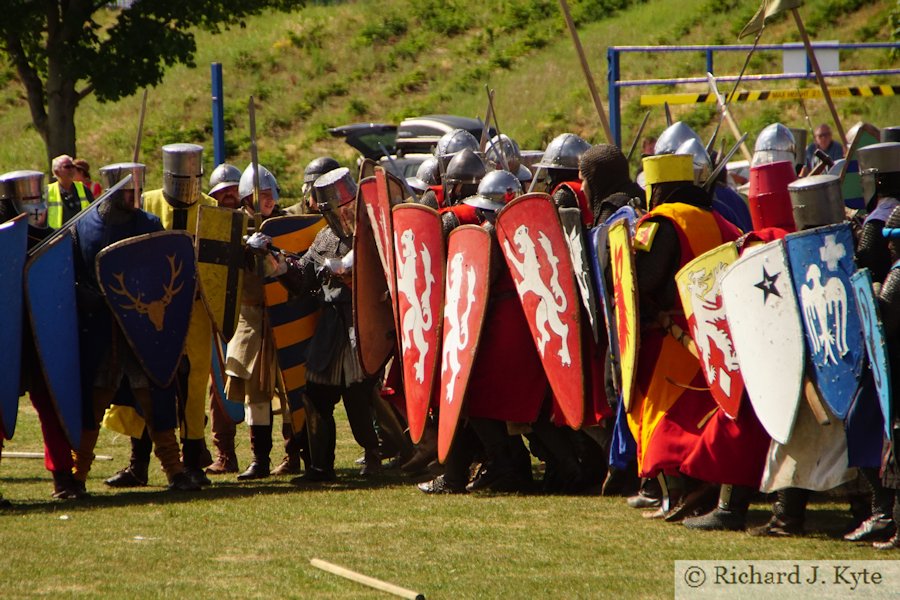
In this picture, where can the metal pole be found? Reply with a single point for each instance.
(218, 114)
(709, 60)
(615, 109)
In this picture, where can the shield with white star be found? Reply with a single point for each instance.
(821, 261)
(764, 320)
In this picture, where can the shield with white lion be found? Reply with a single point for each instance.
(534, 246)
(419, 262)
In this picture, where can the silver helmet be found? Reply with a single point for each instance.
(890, 134)
(335, 191)
(700, 158)
(224, 176)
(563, 152)
(875, 162)
(267, 181)
(182, 172)
(453, 142)
(497, 189)
(427, 174)
(774, 143)
(817, 201)
(466, 167)
(674, 136)
(26, 189)
(502, 147)
(114, 173)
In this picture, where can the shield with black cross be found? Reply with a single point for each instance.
(220, 264)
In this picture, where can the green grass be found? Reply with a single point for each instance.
(254, 540)
(381, 61)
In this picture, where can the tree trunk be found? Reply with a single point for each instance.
(62, 100)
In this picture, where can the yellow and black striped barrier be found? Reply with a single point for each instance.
(863, 91)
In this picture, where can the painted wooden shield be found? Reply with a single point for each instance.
(234, 410)
(50, 301)
(220, 264)
(419, 254)
(13, 246)
(465, 305)
(621, 259)
(293, 320)
(575, 239)
(821, 261)
(764, 320)
(876, 347)
(373, 312)
(536, 252)
(150, 282)
(379, 211)
(700, 287)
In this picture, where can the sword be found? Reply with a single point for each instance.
(493, 114)
(254, 156)
(137, 143)
(637, 136)
(711, 180)
(668, 114)
(485, 127)
(723, 106)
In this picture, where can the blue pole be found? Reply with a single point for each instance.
(612, 76)
(709, 60)
(218, 114)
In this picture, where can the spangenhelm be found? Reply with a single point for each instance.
(334, 190)
(775, 142)
(666, 168)
(817, 201)
(182, 172)
(496, 189)
(267, 181)
(700, 158)
(879, 168)
(427, 174)
(26, 192)
(114, 173)
(223, 176)
(674, 136)
(453, 142)
(563, 152)
(465, 167)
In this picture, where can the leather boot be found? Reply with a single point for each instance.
(224, 463)
(729, 515)
(136, 473)
(698, 498)
(83, 456)
(880, 525)
(196, 457)
(291, 464)
(672, 489)
(424, 452)
(261, 446)
(648, 496)
(894, 542)
(788, 514)
(65, 487)
(223, 441)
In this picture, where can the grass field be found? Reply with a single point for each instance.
(255, 540)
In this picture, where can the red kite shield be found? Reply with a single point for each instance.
(535, 249)
(378, 208)
(465, 304)
(419, 253)
(373, 313)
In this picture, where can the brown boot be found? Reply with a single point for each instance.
(290, 465)
(223, 464)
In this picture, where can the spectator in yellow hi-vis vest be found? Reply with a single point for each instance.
(65, 196)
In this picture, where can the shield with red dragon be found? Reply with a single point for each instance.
(626, 305)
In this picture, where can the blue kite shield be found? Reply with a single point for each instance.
(150, 282)
(876, 346)
(821, 262)
(13, 246)
(50, 299)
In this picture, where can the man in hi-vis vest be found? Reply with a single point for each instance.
(65, 196)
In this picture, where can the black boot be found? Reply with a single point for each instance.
(456, 472)
(261, 446)
(788, 514)
(136, 473)
(894, 542)
(729, 515)
(196, 457)
(648, 496)
(65, 487)
(880, 525)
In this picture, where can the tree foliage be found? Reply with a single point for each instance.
(64, 50)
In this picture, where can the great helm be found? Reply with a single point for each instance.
(318, 167)
(879, 168)
(182, 172)
(667, 168)
(496, 189)
(267, 181)
(563, 152)
(775, 142)
(452, 143)
(333, 190)
(817, 201)
(26, 192)
(114, 173)
(674, 136)
(224, 176)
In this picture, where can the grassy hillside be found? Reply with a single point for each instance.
(339, 62)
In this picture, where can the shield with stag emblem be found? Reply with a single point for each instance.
(465, 304)
(536, 251)
(150, 282)
(419, 259)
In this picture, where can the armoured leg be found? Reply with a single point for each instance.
(729, 515)
(788, 514)
(456, 472)
(498, 471)
(320, 400)
(880, 524)
(391, 429)
(261, 446)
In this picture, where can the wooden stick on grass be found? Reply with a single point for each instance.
(377, 584)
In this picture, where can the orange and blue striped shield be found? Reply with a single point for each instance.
(293, 320)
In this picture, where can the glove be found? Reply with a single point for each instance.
(273, 266)
(339, 266)
(259, 242)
